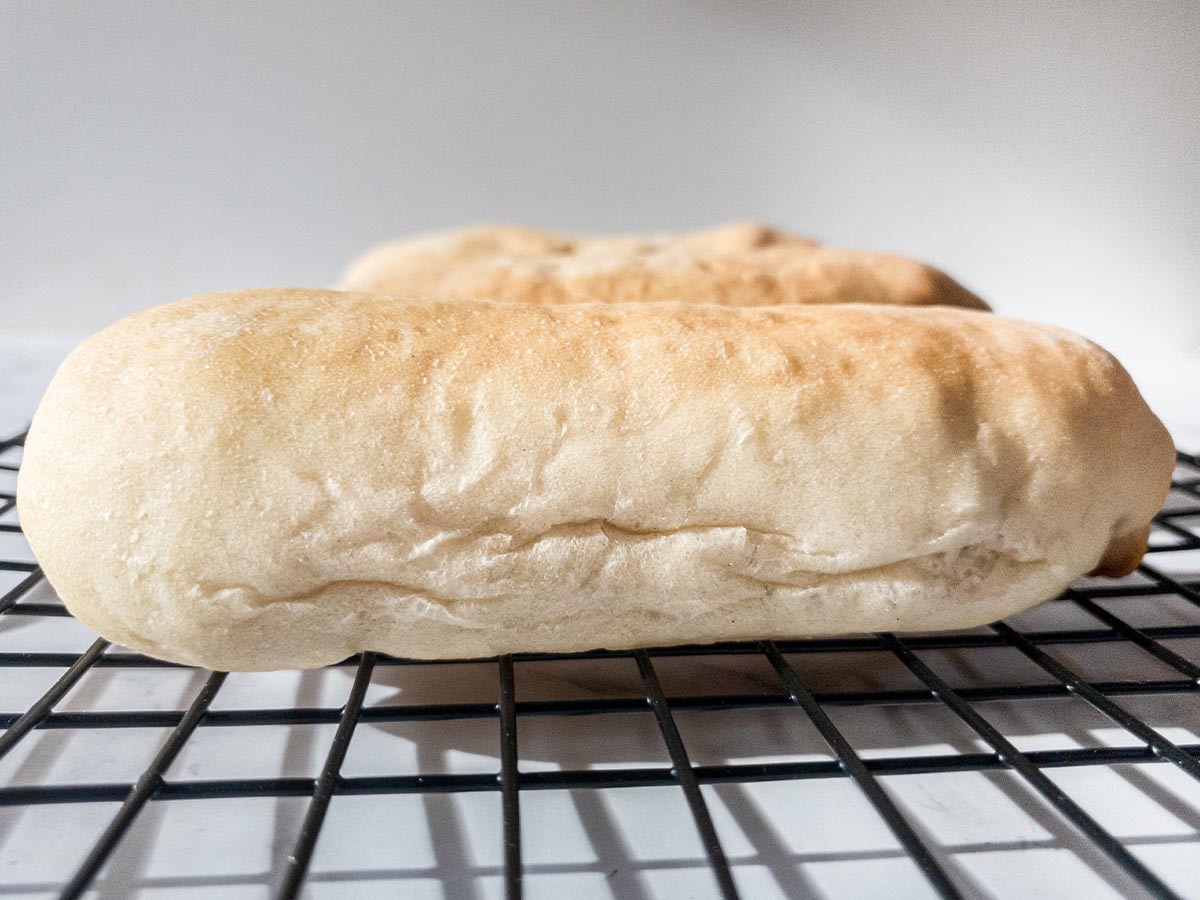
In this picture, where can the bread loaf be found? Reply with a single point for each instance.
(735, 265)
(280, 478)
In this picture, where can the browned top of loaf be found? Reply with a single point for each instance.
(741, 264)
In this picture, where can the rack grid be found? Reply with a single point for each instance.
(1176, 530)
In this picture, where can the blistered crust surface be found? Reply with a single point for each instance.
(741, 264)
(279, 478)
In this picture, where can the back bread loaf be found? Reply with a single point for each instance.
(280, 478)
(735, 265)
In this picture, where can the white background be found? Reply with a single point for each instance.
(1046, 154)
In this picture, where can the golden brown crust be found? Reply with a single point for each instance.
(741, 264)
(1124, 553)
(279, 478)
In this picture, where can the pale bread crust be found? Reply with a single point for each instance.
(741, 264)
(279, 478)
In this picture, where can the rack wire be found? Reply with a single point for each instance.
(1174, 533)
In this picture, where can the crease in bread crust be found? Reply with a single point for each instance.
(412, 605)
(280, 478)
(804, 569)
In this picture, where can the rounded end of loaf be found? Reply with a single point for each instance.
(863, 276)
(1139, 454)
(1123, 554)
(946, 291)
(413, 266)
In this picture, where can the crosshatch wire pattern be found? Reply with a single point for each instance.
(1175, 531)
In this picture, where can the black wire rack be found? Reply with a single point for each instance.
(1176, 529)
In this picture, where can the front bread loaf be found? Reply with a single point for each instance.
(735, 265)
(280, 478)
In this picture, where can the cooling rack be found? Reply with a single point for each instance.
(1103, 615)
